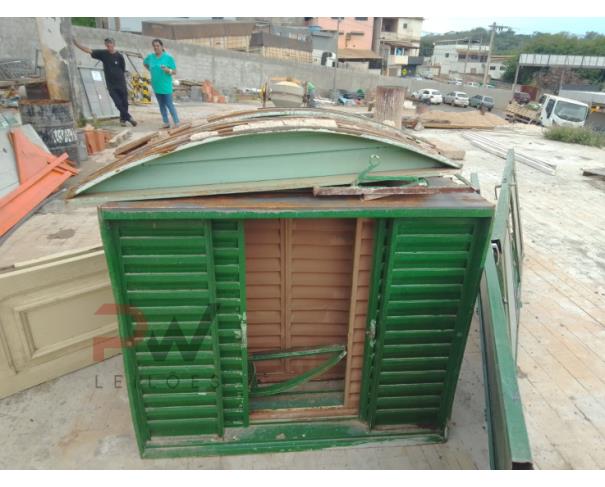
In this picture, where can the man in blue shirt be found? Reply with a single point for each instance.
(162, 67)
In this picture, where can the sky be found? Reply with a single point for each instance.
(521, 25)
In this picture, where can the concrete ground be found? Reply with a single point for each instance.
(82, 420)
(561, 355)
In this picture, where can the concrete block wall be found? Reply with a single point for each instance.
(230, 69)
(226, 69)
(19, 38)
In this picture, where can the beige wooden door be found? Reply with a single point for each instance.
(49, 320)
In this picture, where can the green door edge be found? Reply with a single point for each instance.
(509, 446)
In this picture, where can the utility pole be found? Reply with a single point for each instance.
(561, 81)
(516, 76)
(494, 27)
(468, 53)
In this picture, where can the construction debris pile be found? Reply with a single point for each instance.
(198, 91)
(454, 120)
(529, 113)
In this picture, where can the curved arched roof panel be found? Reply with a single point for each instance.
(252, 152)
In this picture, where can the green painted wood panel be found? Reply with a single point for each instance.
(182, 287)
(262, 158)
(425, 282)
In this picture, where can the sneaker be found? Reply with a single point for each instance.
(133, 122)
(166, 126)
(122, 123)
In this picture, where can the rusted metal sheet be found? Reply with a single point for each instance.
(424, 187)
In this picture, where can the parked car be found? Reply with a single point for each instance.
(474, 84)
(521, 97)
(454, 81)
(428, 95)
(456, 98)
(481, 100)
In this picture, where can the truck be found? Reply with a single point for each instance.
(556, 110)
(551, 111)
(596, 102)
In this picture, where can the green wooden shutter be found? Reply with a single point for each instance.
(183, 284)
(425, 283)
(230, 278)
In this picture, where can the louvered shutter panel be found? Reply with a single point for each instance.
(421, 304)
(183, 284)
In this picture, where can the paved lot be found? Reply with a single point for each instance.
(449, 108)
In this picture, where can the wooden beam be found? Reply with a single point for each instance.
(352, 309)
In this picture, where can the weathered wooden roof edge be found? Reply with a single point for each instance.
(261, 121)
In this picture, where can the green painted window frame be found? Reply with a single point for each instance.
(320, 433)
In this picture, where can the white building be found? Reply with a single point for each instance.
(457, 58)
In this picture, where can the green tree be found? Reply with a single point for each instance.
(591, 44)
(84, 21)
(508, 42)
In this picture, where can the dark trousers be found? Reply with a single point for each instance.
(119, 95)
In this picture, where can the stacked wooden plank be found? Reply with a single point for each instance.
(455, 120)
(522, 113)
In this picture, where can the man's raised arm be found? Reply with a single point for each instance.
(87, 50)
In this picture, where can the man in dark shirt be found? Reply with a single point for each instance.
(114, 68)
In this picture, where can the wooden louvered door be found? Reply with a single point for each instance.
(299, 277)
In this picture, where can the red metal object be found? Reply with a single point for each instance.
(531, 90)
(40, 174)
